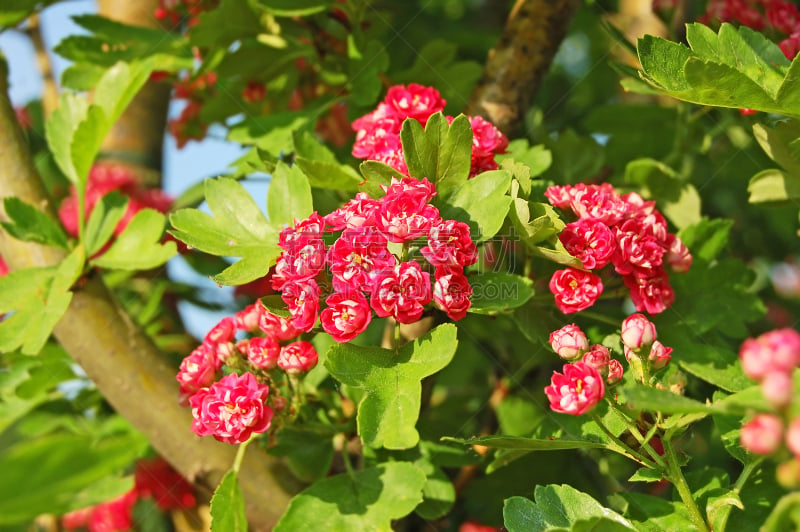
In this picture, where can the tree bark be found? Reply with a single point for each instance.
(517, 66)
(137, 138)
(124, 364)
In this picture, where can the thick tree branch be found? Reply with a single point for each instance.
(137, 137)
(124, 364)
(517, 66)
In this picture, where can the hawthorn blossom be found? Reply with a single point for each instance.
(415, 101)
(402, 292)
(302, 298)
(451, 293)
(405, 215)
(358, 212)
(569, 342)
(793, 436)
(276, 327)
(614, 372)
(487, 141)
(450, 244)
(346, 316)
(590, 241)
(260, 352)
(659, 355)
(576, 391)
(650, 294)
(357, 256)
(198, 370)
(777, 388)
(763, 434)
(155, 479)
(598, 357)
(638, 332)
(773, 351)
(575, 290)
(298, 357)
(232, 409)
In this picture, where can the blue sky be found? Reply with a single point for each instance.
(181, 167)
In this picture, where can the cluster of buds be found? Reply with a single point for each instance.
(642, 350)
(583, 382)
(624, 231)
(364, 272)
(770, 360)
(378, 133)
(174, 11)
(244, 401)
(195, 90)
(154, 479)
(590, 369)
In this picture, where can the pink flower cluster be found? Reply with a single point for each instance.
(622, 230)
(103, 179)
(364, 274)
(378, 133)
(235, 407)
(582, 384)
(772, 16)
(153, 479)
(770, 360)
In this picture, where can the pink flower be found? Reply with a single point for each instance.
(598, 357)
(559, 196)
(358, 212)
(298, 357)
(597, 202)
(640, 245)
(590, 241)
(762, 434)
(405, 215)
(638, 332)
(451, 293)
(261, 352)
(402, 292)
(614, 372)
(303, 260)
(790, 45)
(277, 328)
(423, 189)
(659, 355)
(248, 318)
(678, 256)
(232, 409)
(793, 436)
(783, 16)
(569, 342)
(577, 391)
(115, 515)
(450, 244)
(777, 388)
(77, 518)
(155, 479)
(416, 101)
(774, 351)
(575, 290)
(357, 256)
(302, 298)
(487, 141)
(198, 370)
(347, 315)
(222, 333)
(651, 294)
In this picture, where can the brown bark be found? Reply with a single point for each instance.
(137, 137)
(517, 66)
(50, 88)
(127, 368)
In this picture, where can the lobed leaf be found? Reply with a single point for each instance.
(227, 506)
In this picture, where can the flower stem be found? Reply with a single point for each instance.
(675, 475)
(237, 462)
(624, 449)
(633, 428)
(744, 476)
(397, 337)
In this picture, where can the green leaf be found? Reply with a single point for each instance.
(678, 200)
(737, 67)
(707, 238)
(107, 213)
(561, 508)
(309, 452)
(32, 225)
(774, 186)
(391, 380)
(60, 130)
(227, 506)
(230, 21)
(139, 246)
(650, 399)
(237, 228)
(440, 152)
(364, 70)
(119, 85)
(362, 501)
(16, 11)
(376, 174)
(271, 133)
(537, 158)
(288, 196)
(498, 292)
(481, 202)
(295, 8)
(48, 474)
(645, 474)
(574, 158)
(528, 444)
(655, 514)
(328, 175)
(777, 141)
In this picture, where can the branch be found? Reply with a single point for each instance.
(136, 139)
(50, 88)
(124, 364)
(517, 66)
